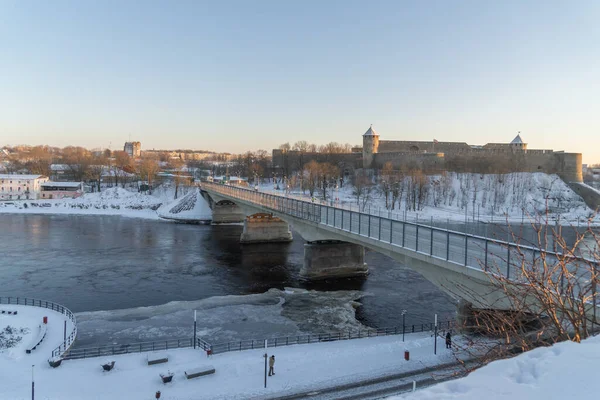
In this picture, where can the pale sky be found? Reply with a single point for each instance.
(242, 75)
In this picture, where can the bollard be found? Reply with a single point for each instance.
(45, 320)
(406, 355)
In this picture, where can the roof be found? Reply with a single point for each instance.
(517, 140)
(62, 184)
(371, 132)
(20, 176)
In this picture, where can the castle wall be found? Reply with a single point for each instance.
(428, 162)
(391, 146)
(292, 160)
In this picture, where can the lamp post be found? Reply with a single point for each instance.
(194, 329)
(403, 323)
(435, 336)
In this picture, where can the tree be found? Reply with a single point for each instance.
(312, 172)
(147, 169)
(328, 174)
(123, 166)
(78, 161)
(362, 189)
(550, 296)
(96, 170)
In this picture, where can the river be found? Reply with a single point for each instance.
(131, 279)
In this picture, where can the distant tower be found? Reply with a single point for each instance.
(370, 147)
(517, 143)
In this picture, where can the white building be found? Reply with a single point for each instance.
(21, 187)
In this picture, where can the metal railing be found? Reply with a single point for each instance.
(68, 341)
(323, 337)
(483, 253)
(140, 347)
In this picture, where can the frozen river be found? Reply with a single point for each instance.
(132, 279)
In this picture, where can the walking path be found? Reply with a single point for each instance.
(239, 375)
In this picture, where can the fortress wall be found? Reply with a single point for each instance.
(424, 161)
(391, 146)
(294, 160)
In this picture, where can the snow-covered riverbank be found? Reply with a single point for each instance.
(113, 201)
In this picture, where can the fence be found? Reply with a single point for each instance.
(323, 337)
(140, 347)
(68, 340)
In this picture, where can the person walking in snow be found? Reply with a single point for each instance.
(272, 365)
(448, 340)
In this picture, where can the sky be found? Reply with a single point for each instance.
(243, 75)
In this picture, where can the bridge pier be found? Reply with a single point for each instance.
(226, 211)
(265, 228)
(333, 259)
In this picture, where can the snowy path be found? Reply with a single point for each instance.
(238, 375)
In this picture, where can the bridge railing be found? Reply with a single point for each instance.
(479, 252)
(67, 340)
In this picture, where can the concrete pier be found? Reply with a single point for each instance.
(265, 228)
(226, 211)
(333, 259)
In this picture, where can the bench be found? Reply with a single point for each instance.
(108, 366)
(196, 372)
(41, 334)
(9, 312)
(157, 358)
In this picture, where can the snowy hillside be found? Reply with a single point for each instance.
(564, 371)
(460, 196)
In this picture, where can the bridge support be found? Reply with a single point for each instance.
(333, 259)
(226, 211)
(265, 228)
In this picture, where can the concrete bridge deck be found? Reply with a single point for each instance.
(458, 263)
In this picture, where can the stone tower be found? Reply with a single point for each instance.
(370, 146)
(518, 144)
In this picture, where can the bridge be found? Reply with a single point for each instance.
(458, 263)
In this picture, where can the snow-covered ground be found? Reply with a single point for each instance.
(190, 208)
(239, 375)
(470, 197)
(564, 371)
(112, 201)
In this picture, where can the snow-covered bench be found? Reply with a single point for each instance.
(37, 339)
(157, 358)
(9, 312)
(196, 372)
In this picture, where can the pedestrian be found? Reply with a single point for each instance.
(271, 365)
(448, 340)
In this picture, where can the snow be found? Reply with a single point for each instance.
(112, 201)
(190, 208)
(239, 375)
(566, 370)
(516, 197)
(30, 318)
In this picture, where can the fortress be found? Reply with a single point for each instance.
(460, 156)
(433, 157)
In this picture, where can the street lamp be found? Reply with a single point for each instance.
(403, 323)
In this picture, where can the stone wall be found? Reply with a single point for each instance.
(428, 162)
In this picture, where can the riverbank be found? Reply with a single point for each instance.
(113, 201)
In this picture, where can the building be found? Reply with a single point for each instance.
(434, 157)
(134, 149)
(20, 187)
(60, 190)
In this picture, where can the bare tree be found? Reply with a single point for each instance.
(550, 295)
(362, 189)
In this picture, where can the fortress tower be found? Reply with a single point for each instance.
(370, 147)
(518, 144)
